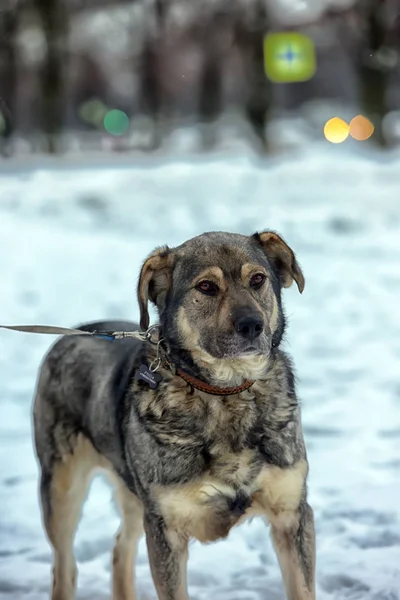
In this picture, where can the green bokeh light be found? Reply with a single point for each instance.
(93, 111)
(116, 122)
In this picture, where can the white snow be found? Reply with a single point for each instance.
(71, 243)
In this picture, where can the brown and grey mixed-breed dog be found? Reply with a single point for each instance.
(191, 457)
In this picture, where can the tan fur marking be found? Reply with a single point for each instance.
(284, 539)
(291, 570)
(276, 248)
(190, 338)
(182, 591)
(70, 484)
(275, 314)
(152, 264)
(127, 539)
(214, 274)
(190, 509)
(229, 371)
(249, 269)
(197, 509)
(156, 269)
(279, 491)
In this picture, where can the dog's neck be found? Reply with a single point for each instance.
(229, 377)
(182, 359)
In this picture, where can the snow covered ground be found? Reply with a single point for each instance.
(71, 243)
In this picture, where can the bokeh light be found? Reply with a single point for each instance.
(116, 122)
(361, 128)
(93, 111)
(336, 130)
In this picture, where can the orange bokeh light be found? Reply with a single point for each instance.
(361, 128)
(336, 130)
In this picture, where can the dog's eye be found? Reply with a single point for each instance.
(257, 280)
(207, 287)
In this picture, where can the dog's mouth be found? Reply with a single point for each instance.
(237, 351)
(251, 350)
(240, 353)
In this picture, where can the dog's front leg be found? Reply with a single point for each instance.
(168, 555)
(294, 541)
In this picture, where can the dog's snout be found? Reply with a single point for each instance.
(249, 326)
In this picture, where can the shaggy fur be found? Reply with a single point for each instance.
(185, 463)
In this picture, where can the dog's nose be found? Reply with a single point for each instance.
(249, 326)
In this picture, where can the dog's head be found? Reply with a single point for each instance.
(219, 299)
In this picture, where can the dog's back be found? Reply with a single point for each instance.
(115, 325)
(80, 389)
(78, 410)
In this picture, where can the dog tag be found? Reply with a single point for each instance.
(150, 377)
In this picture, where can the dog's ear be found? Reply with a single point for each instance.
(154, 282)
(282, 259)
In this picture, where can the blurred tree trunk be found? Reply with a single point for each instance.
(150, 102)
(260, 93)
(160, 8)
(260, 90)
(8, 76)
(373, 73)
(54, 19)
(210, 101)
(150, 96)
(74, 6)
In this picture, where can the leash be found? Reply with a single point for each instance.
(45, 329)
(50, 330)
(148, 374)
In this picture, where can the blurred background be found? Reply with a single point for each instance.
(133, 123)
(180, 68)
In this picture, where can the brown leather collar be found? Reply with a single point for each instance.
(199, 384)
(213, 389)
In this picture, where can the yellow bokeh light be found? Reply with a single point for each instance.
(361, 128)
(336, 130)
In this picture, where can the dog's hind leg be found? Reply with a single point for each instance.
(128, 536)
(294, 542)
(63, 489)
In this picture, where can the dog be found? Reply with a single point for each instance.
(197, 424)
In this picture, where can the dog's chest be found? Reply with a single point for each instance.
(233, 480)
(212, 477)
(211, 431)
(242, 487)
